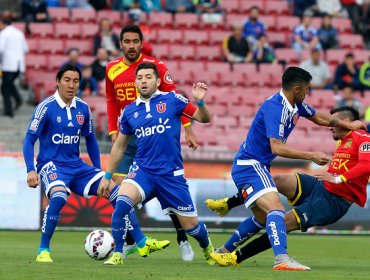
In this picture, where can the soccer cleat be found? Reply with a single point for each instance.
(115, 259)
(128, 250)
(187, 253)
(207, 253)
(218, 205)
(152, 245)
(44, 257)
(290, 264)
(225, 259)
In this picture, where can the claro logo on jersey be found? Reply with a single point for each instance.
(65, 139)
(151, 130)
(365, 147)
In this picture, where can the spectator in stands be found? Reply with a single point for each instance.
(210, 10)
(34, 11)
(98, 4)
(126, 5)
(347, 73)
(98, 66)
(179, 6)
(13, 47)
(305, 36)
(78, 4)
(330, 7)
(318, 69)
(354, 11)
(263, 52)
(364, 75)
(348, 99)
(302, 6)
(367, 118)
(73, 55)
(327, 33)
(106, 38)
(253, 27)
(88, 84)
(364, 24)
(150, 5)
(235, 47)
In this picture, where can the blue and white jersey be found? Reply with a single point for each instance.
(306, 34)
(276, 118)
(156, 125)
(59, 128)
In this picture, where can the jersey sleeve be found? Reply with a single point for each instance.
(38, 121)
(273, 120)
(305, 110)
(112, 105)
(363, 165)
(87, 127)
(125, 127)
(167, 83)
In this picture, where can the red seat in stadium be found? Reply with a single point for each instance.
(230, 78)
(83, 15)
(216, 37)
(51, 46)
(67, 30)
(245, 121)
(361, 56)
(343, 25)
(182, 51)
(182, 76)
(172, 64)
(87, 59)
(218, 67)
(33, 45)
(238, 111)
(55, 61)
(232, 18)
(59, 14)
(286, 23)
(217, 109)
(351, 41)
(206, 77)
(289, 55)
(231, 6)
(278, 39)
(245, 68)
(187, 20)
(196, 36)
(36, 61)
(114, 16)
(169, 35)
(161, 19)
(262, 79)
(19, 25)
(42, 29)
(244, 6)
(88, 30)
(209, 52)
(85, 46)
(161, 51)
(277, 7)
(335, 56)
(269, 21)
(226, 121)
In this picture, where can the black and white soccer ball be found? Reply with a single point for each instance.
(99, 244)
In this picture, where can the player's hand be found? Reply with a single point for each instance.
(190, 139)
(325, 176)
(355, 125)
(33, 179)
(320, 158)
(199, 91)
(114, 137)
(103, 189)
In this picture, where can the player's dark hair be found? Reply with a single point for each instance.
(295, 76)
(132, 29)
(347, 112)
(148, 65)
(65, 68)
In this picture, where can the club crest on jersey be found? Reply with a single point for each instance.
(136, 114)
(131, 175)
(59, 119)
(348, 143)
(52, 176)
(168, 78)
(80, 119)
(161, 107)
(365, 147)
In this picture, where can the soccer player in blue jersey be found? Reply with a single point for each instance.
(157, 170)
(266, 139)
(59, 122)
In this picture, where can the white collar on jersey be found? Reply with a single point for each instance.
(290, 107)
(139, 100)
(61, 102)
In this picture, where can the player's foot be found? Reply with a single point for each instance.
(128, 250)
(207, 253)
(44, 257)
(284, 262)
(152, 245)
(225, 259)
(218, 205)
(187, 253)
(115, 259)
(221, 250)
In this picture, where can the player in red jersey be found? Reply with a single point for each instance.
(321, 199)
(120, 92)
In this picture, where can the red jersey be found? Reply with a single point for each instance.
(121, 89)
(351, 162)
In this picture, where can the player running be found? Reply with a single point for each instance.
(321, 199)
(157, 171)
(59, 122)
(120, 92)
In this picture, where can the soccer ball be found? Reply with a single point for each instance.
(99, 244)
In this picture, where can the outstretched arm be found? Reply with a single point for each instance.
(327, 120)
(202, 114)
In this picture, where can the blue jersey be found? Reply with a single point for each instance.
(156, 125)
(275, 119)
(306, 34)
(59, 129)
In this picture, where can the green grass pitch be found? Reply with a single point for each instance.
(330, 257)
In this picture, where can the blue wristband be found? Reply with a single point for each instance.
(108, 175)
(200, 103)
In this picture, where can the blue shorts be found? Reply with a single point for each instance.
(172, 191)
(78, 178)
(252, 179)
(128, 158)
(314, 205)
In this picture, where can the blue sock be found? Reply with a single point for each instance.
(246, 230)
(276, 230)
(113, 195)
(135, 230)
(200, 233)
(51, 216)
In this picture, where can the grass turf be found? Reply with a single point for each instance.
(330, 257)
